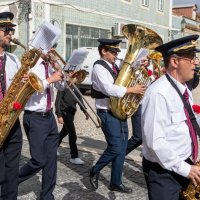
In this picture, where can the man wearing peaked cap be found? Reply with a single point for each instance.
(110, 44)
(183, 45)
(115, 130)
(6, 19)
(11, 150)
(169, 127)
(179, 46)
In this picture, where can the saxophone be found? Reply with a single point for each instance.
(138, 37)
(18, 92)
(191, 192)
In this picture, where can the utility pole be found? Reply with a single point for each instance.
(28, 23)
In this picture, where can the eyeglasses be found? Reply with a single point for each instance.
(192, 60)
(114, 52)
(7, 30)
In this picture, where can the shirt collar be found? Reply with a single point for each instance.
(109, 64)
(180, 86)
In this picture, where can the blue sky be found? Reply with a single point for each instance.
(177, 2)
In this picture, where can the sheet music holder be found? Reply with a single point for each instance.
(76, 59)
(45, 37)
(141, 54)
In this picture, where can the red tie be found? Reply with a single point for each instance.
(2, 77)
(48, 107)
(114, 68)
(193, 134)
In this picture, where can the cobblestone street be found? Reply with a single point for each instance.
(73, 181)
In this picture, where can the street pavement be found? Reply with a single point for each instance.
(73, 181)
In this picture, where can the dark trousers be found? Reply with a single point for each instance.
(116, 135)
(136, 138)
(9, 163)
(162, 184)
(42, 134)
(69, 128)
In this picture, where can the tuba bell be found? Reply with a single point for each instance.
(138, 37)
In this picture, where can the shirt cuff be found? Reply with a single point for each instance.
(45, 84)
(184, 169)
(122, 91)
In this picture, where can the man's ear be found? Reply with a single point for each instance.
(174, 62)
(103, 51)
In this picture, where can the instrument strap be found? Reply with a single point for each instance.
(186, 105)
(97, 94)
(2, 74)
(105, 65)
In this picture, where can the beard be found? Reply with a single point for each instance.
(3, 44)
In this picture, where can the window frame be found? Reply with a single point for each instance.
(145, 3)
(160, 7)
(127, 1)
(75, 39)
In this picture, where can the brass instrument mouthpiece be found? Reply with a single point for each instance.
(119, 59)
(15, 41)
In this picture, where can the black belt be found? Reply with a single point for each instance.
(103, 111)
(156, 166)
(43, 114)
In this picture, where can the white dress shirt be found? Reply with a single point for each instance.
(166, 136)
(103, 81)
(38, 101)
(11, 68)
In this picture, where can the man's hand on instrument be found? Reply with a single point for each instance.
(60, 120)
(194, 175)
(57, 76)
(137, 89)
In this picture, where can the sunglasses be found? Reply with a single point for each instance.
(7, 30)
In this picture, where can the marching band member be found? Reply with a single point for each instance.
(115, 130)
(170, 145)
(11, 150)
(41, 130)
(65, 110)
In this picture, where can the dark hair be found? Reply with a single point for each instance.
(166, 61)
(100, 47)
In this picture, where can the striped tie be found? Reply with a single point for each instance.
(193, 134)
(115, 70)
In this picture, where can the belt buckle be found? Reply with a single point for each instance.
(44, 114)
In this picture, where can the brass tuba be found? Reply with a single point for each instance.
(138, 37)
(18, 92)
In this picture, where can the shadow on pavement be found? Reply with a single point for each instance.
(32, 185)
(82, 170)
(77, 192)
(92, 143)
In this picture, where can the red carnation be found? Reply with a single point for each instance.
(17, 106)
(149, 72)
(196, 109)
